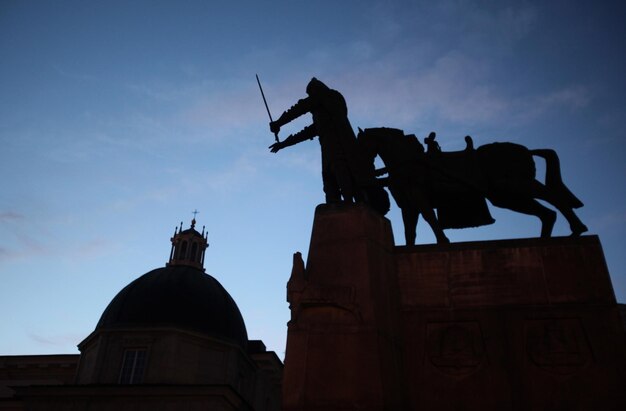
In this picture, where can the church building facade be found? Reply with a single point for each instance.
(171, 339)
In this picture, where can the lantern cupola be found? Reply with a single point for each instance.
(188, 246)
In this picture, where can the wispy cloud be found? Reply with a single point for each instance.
(232, 177)
(73, 75)
(453, 88)
(29, 249)
(226, 112)
(526, 109)
(61, 340)
(10, 216)
(500, 25)
(5, 253)
(22, 243)
(307, 160)
(93, 248)
(401, 80)
(163, 193)
(609, 221)
(24, 246)
(161, 92)
(572, 97)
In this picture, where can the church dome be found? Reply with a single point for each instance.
(180, 296)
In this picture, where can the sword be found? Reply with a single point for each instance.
(266, 106)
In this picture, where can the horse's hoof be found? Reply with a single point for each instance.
(578, 230)
(547, 225)
(443, 240)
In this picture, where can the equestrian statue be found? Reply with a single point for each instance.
(449, 189)
(457, 183)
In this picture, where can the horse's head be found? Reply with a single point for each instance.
(367, 143)
(379, 141)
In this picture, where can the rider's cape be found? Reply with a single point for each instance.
(457, 189)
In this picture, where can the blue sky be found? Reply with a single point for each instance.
(119, 118)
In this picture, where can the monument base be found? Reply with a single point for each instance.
(343, 345)
(511, 325)
(498, 325)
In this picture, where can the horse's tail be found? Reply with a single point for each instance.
(554, 181)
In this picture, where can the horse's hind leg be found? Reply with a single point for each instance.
(530, 206)
(544, 193)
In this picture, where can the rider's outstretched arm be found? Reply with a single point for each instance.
(380, 171)
(307, 133)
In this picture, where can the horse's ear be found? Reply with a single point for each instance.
(360, 130)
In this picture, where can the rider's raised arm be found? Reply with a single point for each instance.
(303, 106)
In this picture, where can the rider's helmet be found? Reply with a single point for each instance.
(315, 87)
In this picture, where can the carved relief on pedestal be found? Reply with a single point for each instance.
(557, 345)
(323, 306)
(455, 348)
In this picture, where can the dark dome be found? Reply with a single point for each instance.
(178, 296)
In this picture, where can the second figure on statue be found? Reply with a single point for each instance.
(344, 173)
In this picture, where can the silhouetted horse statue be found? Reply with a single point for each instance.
(457, 183)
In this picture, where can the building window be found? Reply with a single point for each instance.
(183, 251)
(133, 366)
(194, 250)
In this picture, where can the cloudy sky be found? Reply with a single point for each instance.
(119, 118)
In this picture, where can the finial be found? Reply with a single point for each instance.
(181, 226)
(202, 231)
(193, 221)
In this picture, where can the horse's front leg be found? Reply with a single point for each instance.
(431, 219)
(422, 204)
(409, 218)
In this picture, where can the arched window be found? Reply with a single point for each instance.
(133, 365)
(183, 251)
(194, 251)
(177, 250)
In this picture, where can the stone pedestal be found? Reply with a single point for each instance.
(511, 325)
(528, 324)
(343, 350)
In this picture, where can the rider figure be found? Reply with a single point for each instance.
(433, 146)
(341, 174)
